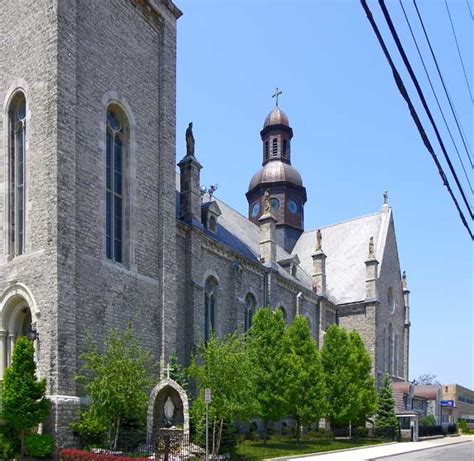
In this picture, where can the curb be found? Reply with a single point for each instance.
(420, 449)
(321, 453)
(284, 458)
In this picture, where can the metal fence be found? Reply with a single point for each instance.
(166, 445)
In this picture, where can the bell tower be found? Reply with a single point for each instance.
(283, 181)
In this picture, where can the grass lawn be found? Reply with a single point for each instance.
(282, 446)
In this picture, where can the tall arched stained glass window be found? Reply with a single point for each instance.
(250, 305)
(17, 144)
(210, 301)
(115, 182)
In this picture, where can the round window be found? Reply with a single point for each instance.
(255, 209)
(292, 206)
(275, 203)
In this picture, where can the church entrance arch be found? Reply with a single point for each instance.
(18, 316)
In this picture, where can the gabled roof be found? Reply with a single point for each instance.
(346, 247)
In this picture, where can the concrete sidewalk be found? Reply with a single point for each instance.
(370, 453)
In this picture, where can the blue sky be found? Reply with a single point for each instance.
(353, 135)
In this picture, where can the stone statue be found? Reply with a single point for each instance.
(190, 140)
(319, 240)
(385, 197)
(267, 206)
(371, 248)
(169, 410)
(404, 279)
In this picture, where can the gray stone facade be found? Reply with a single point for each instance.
(72, 60)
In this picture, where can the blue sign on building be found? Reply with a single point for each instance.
(447, 403)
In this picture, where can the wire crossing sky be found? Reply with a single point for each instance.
(353, 133)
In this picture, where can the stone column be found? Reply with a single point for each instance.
(319, 272)
(190, 195)
(371, 278)
(11, 346)
(267, 239)
(3, 352)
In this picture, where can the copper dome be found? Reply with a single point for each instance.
(276, 117)
(276, 171)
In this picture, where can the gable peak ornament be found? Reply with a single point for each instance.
(385, 197)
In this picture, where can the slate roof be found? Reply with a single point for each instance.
(346, 247)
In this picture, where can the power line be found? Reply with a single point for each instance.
(434, 93)
(459, 51)
(423, 100)
(470, 10)
(458, 124)
(404, 93)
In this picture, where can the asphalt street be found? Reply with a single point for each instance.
(458, 452)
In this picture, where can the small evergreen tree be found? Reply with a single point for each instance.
(267, 349)
(305, 392)
(386, 420)
(24, 396)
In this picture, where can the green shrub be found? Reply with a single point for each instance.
(39, 445)
(361, 432)
(9, 445)
(428, 420)
(463, 426)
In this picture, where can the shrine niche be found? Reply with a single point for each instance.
(168, 408)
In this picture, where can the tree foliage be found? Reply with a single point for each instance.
(386, 419)
(178, 372)
(117, 379)
(24, 396)
(223, 366)
(347, 368)
(267, 348)
(305, 390)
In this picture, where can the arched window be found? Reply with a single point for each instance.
(274, 147)
(384, 351)
(250, 305)
(285, 147)
(390, 349)
(16, 180)
(213, 224)
(395, 357)
(266, 150)
(115, 161)
(210, 302)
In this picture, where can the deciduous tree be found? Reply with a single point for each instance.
(305, 390)
(347, 367)
(117, 378)
(267, 348)
(223, 366)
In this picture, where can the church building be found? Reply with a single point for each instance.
(97, 230)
